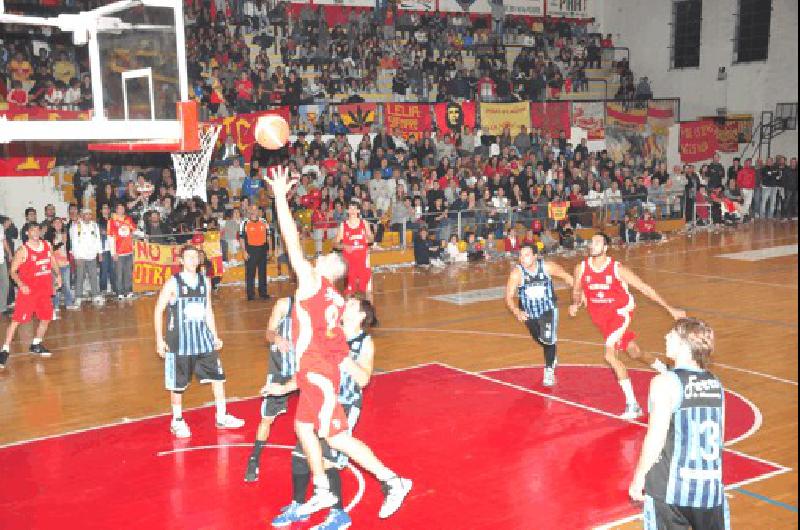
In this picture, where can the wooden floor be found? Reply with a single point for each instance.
(105, 369)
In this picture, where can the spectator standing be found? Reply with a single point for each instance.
(30, 219)
(86, 249)
(790, 189)
(771, 186)
(255, 236)
(746, 180)
(120, 229)
(58, 238)
(108, 280)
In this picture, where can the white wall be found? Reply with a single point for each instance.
(644, 27)
(18, 193)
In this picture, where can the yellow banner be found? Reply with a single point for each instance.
(155, 263)
(497, 116)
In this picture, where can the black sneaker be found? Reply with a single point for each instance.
(40, 350)
(3, 359)
(251, 475)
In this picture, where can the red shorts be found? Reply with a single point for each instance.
(319, 403)
(614, 324)
(28, 305)
(358, 277)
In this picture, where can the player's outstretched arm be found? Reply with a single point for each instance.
(362, 369)
(554, 269)
(629, 277)
(514, 280)
(281, 185)
(577, 293)
(168, 293)
(662, 401)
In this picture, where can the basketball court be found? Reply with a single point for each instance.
(457, 405)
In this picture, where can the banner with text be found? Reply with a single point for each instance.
(698, 140)
(410, 118)
(732, 131)
(591, 117)
(155, 263)
(358, 117)
(497, 116)
(242, 128)
(568, 8)
(552, 117)
(528, 8)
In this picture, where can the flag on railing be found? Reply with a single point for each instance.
(497, 116)
(590, 116)
(452, 117)
(409, 118)
(552, 117)
(698, 140)
(358, 117)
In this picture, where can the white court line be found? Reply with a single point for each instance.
(355, 471)
(758, 418)
(125, 421)
(560, 339)
(721, 278)
(762, 253)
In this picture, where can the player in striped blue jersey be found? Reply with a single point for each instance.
(679, 474)
(356, 370)
(282, 366)
(531, 281)
(191, 345)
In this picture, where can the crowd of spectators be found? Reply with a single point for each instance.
(423, 56)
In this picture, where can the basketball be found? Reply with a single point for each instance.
(272, 132)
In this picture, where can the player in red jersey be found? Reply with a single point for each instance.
(602, 283)
(32, 269)
(354, 238)
(320, 347)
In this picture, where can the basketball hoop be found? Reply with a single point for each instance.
(191, 168)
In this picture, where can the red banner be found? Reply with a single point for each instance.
(410, 118)
(452, 117)
(242, 128)
(17, 113)
(358, 117)
(732, 132)
(552, 117)
(698, 140)
(26, 166)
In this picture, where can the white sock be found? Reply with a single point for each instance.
(6, 347)
(221, 410)
(36, 341)
(177, 412)
(385, 475)
(322, 482)
(627, 389)
(659, 366)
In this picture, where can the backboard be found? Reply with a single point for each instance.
(137, 59)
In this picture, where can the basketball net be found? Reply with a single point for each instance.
(191, 169)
